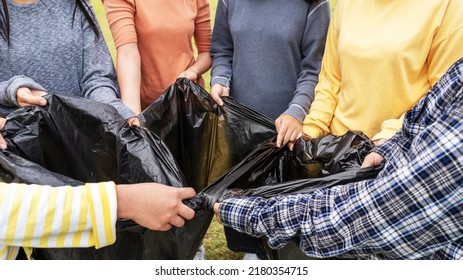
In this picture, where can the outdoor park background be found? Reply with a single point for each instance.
(214, 241)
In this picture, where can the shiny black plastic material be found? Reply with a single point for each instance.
(205, 139)
(89, 142)
(268, 170)
(305, 186)
(13, 169)
(330, 154)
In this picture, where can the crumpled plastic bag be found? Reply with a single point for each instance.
(188, 141)
(74, 140)
(268, 171)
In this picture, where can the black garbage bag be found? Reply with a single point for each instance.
(269, 171)
(74, 140)
(16, 169)
(72, 137)
(205, 139)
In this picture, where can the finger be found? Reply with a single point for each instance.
(186, 193)
(31, 100)
(278, 124)
(291, 146)
(36, 92)
(218, 219)
(217, 99)
(164, 227)
(177, 221)
(186, 212)
(216, 207)
(294, 136)
(3, 145)
(367, 162)
(281, 135)
(133, 121)
(2, 123)
(225, 92)
(289, 135)
(136, 122)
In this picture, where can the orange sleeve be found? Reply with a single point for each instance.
(203, 28)
(121, 19)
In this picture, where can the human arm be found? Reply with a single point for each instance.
(410, 211)
(129, 75)
(98, 81)
(201, 65)
(317, 122)
(121, 19)
(289, 124)
(202, 35)
(85, 216)
(222, 54)
(44, 216)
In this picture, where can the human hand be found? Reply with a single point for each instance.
(379, 141)
(134, 121)
(30, 97)
(217, 91)
(2, 141)
(372, 159)
(289, 130)
(216, 212)
(189, 74)
(153, 205)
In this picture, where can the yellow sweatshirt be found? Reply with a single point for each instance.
(46, 217)
(381, 57)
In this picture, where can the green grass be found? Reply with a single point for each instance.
(214, 241)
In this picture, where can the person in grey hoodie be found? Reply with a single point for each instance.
(54, 47)
(267, 54)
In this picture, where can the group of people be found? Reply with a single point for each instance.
(362, 68)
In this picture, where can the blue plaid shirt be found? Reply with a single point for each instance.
(412, 210)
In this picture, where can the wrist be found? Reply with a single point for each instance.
(123, 202)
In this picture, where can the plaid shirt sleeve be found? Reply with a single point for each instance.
(412, 210)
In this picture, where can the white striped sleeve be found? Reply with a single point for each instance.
(45, 216)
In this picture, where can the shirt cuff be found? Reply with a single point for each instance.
(384, 134)
(312, 131)
(296, 112)
(224, 81)
(103, 212)
(15, 83)
(238, 214)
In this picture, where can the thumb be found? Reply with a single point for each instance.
(36, 100)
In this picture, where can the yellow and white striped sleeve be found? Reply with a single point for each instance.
(46, 217)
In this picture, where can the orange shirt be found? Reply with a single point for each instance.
(163, 31)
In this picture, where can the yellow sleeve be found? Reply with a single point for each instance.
(389, 128)
(318, 120)
(54, 217)
(446, 49)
